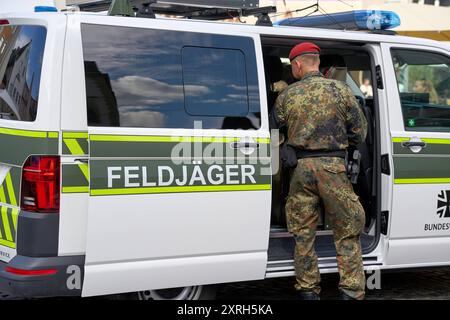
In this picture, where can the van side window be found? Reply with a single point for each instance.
(424, 85)
(222, 74)
(169, 79)
(21, 53)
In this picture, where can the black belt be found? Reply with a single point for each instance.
(301, 154)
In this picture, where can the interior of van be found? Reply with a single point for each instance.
(353, 64)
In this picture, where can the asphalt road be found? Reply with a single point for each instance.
(421, 284)
(417, 284)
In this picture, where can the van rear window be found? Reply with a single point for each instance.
(21, 53)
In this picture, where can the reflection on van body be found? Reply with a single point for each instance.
(22, 47)
(191, 77)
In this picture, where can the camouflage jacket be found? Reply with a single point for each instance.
(320, 114)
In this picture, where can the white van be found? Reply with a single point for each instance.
(135, 153)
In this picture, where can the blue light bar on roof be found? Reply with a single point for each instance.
(45, 9)
(350, 20)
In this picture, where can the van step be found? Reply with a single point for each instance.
(278, 232)
(281, 246)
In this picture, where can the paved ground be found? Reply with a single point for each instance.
(422, 284)
(418, 284)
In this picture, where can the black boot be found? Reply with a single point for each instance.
(308, 295)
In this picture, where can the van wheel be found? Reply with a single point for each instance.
(183, 293)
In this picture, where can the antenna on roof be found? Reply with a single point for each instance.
(121, 8)
(146, 11)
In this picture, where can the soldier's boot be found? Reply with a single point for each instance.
(308, 295)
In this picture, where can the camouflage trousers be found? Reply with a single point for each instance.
(317, 184)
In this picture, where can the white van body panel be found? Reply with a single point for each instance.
(74, 206)
(414, 205)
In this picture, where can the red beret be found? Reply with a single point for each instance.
(303, 48)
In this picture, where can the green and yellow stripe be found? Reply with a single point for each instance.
(430, 166)
(75, 143)
(8, 215)
(184, 189)
(189, 139)
(75, 177)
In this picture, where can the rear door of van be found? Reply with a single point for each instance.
(29, 123)
(179, 161)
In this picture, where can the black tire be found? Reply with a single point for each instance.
(183, 293)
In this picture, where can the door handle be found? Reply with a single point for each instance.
(240, 145)
(85, 161)
(409, 144)
(414, 144)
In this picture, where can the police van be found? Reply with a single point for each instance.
(137, 155)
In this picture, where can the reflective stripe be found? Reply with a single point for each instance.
(118, 191)
(8, 244)
(6, 225)
(422, 180)
(10, 188)
(84, 189)
(2, 194)
(15, 217)
(84, 167)
(75, 135)
(24, 133)
(96, 137)
(2, 199)
(74, 147)
(427, 140)
(53, 135)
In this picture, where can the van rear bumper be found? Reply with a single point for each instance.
(66, 278)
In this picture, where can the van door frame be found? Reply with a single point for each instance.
(373, 255)
(138, 272)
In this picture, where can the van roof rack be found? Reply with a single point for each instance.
(191, 9)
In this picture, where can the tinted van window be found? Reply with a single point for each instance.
(222, 72)
(423, 80)
(169, 79)
(21, 54)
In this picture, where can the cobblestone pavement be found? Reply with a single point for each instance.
(417, 284)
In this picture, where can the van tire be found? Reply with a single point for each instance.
(207, 292)
(184, 293)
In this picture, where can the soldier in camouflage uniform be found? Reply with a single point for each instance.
(322, 115)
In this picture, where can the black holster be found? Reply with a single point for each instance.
(288, 156)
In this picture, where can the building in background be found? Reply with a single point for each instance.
(420, 18)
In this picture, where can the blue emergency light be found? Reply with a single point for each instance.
(45, 9)
(350, 20)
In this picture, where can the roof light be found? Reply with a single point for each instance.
(350, 20)
(45, 9)
(3, 22)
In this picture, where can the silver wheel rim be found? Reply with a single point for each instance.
(185, 293)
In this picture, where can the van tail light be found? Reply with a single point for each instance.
(22, 272)
(41, 184)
